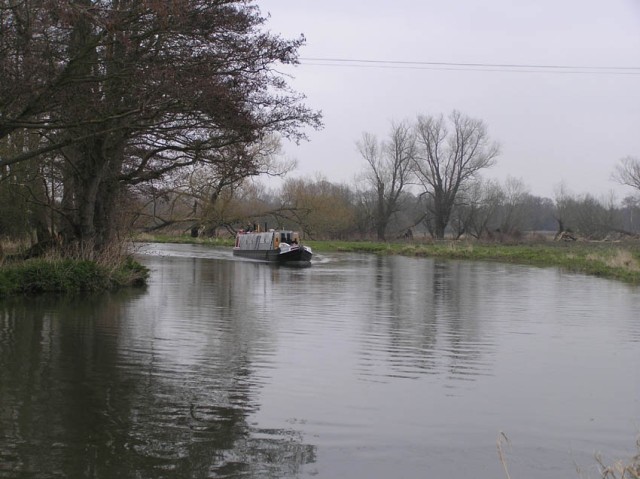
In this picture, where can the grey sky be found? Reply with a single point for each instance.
(553, 127)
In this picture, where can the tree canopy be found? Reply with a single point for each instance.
(388, 170)
(124, 91)
(627, 172)
(449, 154)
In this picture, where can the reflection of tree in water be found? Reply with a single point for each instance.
(428, 314)
(399, 315)
(82, 396)
(465, 345)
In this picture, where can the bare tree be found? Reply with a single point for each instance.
(627, 172)
(514, 206)
(446, 159)
(562, 210)
(586, 215)
(388, 170)
(323, 210)
(208, 187)
(476, 208)
(630, 213)
(365, 207)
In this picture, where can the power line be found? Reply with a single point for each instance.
(498, 65)
(482, 67)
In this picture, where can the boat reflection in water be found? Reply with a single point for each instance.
(282, 246)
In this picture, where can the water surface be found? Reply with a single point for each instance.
(357, 367)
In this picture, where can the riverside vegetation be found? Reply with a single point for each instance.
(619, 261)
(613, 260)
(606, 259)
(53, 273)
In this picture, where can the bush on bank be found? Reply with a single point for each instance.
(41, 275)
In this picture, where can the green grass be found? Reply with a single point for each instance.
(42, 275)
(619, 261)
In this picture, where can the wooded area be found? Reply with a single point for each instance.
(323, 210)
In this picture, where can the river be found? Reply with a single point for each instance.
(356, 367)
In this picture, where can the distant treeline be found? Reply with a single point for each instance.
(324, 210)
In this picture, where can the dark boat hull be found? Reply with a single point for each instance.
(295, 255)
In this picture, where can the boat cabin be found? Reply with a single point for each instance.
(266, 240)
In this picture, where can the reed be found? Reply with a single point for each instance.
(71, 272)
(502, 440)
(621, 469)
(68, 276)
(629, 469)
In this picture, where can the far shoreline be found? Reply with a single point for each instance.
(617, 260)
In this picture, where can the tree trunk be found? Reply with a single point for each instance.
(560, 228)
(381, 218)
(91, 193)
(380, 231)
(439, 229)
(105, 218)
(441, 213)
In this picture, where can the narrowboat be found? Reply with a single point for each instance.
(274, 246)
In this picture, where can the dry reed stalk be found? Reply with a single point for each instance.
(623, 259)
(108, 256)
(502, 438)
(621, 470)
(114, 254)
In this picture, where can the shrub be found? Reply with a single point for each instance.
(68, 275)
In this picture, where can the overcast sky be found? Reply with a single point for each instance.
(555, 125)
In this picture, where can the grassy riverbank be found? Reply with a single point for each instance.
(47, 275)
(614, 260)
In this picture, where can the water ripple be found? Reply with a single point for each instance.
(360, 366)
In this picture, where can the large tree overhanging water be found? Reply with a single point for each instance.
(120, 93)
